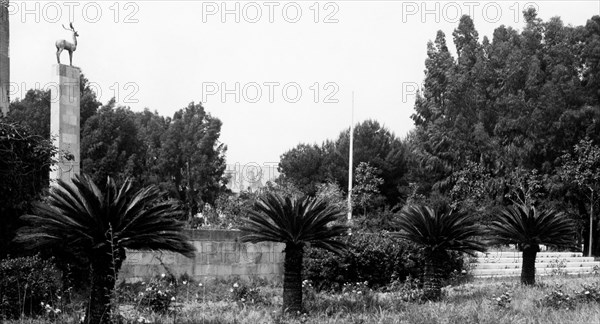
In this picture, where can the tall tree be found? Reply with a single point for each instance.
(303, 165)
(307, 166)
(583, 170)
(377, 145)
(110, 145)
(151, 128)
(193, 157)
(518, 100)
(33, 111)
(89, 103)
(366, 194)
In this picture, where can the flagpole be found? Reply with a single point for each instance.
(350, 161)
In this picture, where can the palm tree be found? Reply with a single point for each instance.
(100, 225)
(527, 227)
(437, 233)
(296, 222)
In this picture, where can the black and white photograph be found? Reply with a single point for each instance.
(304, 161)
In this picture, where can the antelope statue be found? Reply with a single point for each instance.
(65, 45)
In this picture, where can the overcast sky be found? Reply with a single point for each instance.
(280, 75)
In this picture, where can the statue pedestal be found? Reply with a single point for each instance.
(64, 120)
(4, 59)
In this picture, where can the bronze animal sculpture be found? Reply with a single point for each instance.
(62, 45)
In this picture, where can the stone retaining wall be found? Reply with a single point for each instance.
(219, 255)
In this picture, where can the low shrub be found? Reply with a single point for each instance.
(558, 299)
(378, 258)
(503, 301)
(589, 293)
(27, 285)
(244, 293)
(159, 293)
(409, 290)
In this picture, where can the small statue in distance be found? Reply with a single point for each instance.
(65, 45)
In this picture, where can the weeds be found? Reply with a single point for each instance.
(236, 301)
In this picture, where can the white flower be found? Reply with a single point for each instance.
(200, 284)
(185, 282)
(162, 275)
(235, 285)
(173, 298)
(231, 290)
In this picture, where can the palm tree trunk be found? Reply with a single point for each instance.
(590, 249)
(432, 278)
(528, 267)
(103, 283)
(292, 279)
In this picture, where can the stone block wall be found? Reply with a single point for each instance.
(219, 255)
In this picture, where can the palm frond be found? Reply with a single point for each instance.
(296, 221)
(440, 231)
(525, 225)
(78, 214)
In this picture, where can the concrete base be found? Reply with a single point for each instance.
(64, 120)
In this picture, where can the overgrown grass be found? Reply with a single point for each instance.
(553, 300)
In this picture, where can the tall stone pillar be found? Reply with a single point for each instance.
(64, 120)
(4, 58)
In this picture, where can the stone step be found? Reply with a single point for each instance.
(517, 272)
(512, 254)
(537, 260)
(538, 265)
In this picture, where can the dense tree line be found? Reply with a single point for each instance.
(496, 123)
(180, 154)
(502, 120)
(308, 165)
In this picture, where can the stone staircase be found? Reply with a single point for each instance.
(508, 264)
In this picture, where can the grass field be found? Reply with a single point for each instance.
(556, 299)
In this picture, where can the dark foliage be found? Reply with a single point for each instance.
(99, 225)
(25, 161)
(25, 283)
(529, 227)
(378, 258)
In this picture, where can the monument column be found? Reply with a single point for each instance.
(4, 58)
(64, 120)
